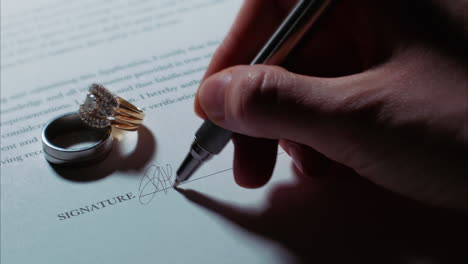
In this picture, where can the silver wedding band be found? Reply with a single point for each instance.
(55, 133)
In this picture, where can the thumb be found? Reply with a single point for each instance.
(270, 102)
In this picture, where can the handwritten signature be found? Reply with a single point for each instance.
(156, 180)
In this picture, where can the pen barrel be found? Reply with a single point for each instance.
(291, 31)
(212, 138)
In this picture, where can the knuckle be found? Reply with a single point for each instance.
(370, 105)
(255, 91)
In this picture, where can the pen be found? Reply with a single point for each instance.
(210, 139)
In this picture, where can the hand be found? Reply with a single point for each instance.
(378, 86)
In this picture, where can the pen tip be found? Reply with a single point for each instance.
(176, 183)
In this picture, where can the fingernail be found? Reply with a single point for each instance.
(294, 152)
(211, 94)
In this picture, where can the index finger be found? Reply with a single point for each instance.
(255, 23)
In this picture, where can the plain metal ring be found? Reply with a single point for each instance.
(71, 122)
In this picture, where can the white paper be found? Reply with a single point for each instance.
(152, 53)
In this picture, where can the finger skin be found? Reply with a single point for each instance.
(254, 160)
(307, 161)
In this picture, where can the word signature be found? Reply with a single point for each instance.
(157, 179)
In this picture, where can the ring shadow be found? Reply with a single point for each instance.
(346, 219)
(144, 152)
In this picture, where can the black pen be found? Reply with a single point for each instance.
(210, 139)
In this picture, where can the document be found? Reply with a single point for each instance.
(152, 53)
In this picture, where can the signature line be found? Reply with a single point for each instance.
(209, 175)
(159, 179)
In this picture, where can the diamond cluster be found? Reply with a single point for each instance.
(99, 107)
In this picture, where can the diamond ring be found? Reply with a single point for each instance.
(102, 109)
